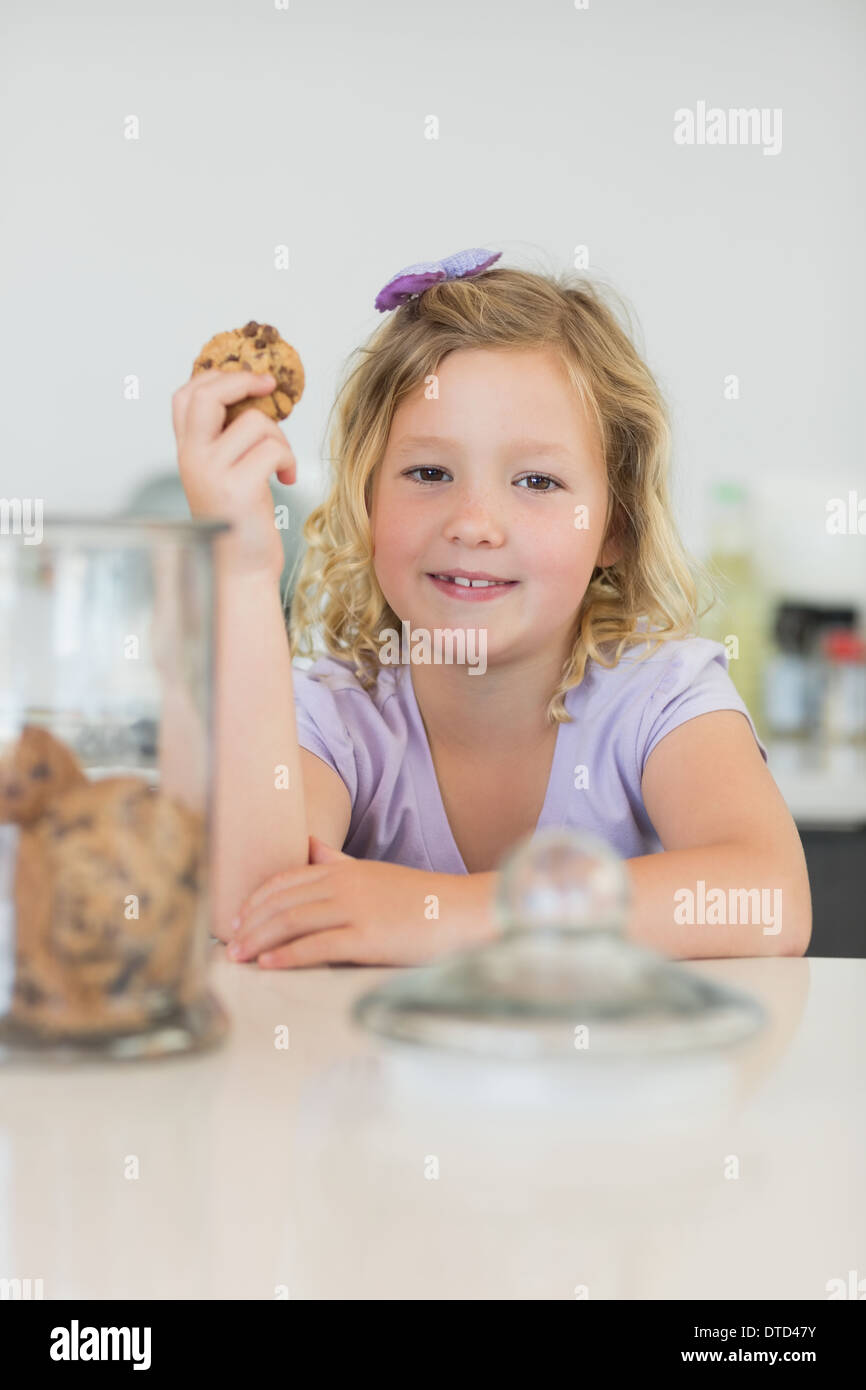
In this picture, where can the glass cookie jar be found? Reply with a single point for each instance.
(106, 637)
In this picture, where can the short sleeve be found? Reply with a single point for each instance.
(322, 729)
(695, 681)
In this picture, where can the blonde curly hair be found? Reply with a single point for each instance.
(654, 580)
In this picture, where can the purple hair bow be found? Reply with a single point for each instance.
(415, 279)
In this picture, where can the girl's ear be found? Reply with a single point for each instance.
(611, 551)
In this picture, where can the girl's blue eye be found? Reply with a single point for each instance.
(429, 468)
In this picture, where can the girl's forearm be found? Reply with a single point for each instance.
(475, 918)
(764, 906)
(259, 823)
(717, 901)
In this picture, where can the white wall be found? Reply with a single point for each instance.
(305, 126)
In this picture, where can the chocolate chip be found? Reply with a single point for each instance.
(232, 357)
(208, 362)
(12, 789)
(120, 982)
(269, 333)
(61, 828)
(28, 992)
(286, 378)
(260, 342)
(109, 868)
(40, 771)
(251, 329)
(189, 878)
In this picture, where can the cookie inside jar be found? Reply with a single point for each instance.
(108, 892)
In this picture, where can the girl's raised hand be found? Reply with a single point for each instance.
(226, 472)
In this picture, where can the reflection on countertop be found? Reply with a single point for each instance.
(304, 1160)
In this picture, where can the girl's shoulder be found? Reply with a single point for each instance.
(652, 689)
(329, 693)
(336, 675)
(361, 733)
(648, 670)
(660, 655)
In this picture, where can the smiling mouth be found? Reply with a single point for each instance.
(472, 590)
(462, 583)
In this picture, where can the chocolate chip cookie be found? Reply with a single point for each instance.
(34, 768)
(257, 347)
(108, 896)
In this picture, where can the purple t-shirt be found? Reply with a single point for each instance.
(377, 743)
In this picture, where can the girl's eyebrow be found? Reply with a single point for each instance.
(516, 446)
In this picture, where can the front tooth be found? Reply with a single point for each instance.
(468, 583)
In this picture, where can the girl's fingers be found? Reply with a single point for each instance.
(249, 429)
(282, 920)
(199, 406)
(337, 947)
(182, 398)
(284, 467)
(262, 445)
(278, 883)
(255, 468)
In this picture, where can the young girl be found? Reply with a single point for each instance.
(498, 426)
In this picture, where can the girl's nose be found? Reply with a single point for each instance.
(473, 519)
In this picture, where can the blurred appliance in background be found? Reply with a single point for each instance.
(815, 708)
(815, 679)
(843, 688)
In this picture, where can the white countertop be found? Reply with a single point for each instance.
(305, 1173)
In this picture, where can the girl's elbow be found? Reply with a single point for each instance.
(803, 935)
(796, 933)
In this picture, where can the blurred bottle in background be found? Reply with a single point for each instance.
(740, 618)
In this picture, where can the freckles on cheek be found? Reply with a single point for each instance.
(392, 554)
(400, 541)
(562, 565)
(562, 549)
(395, 561)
